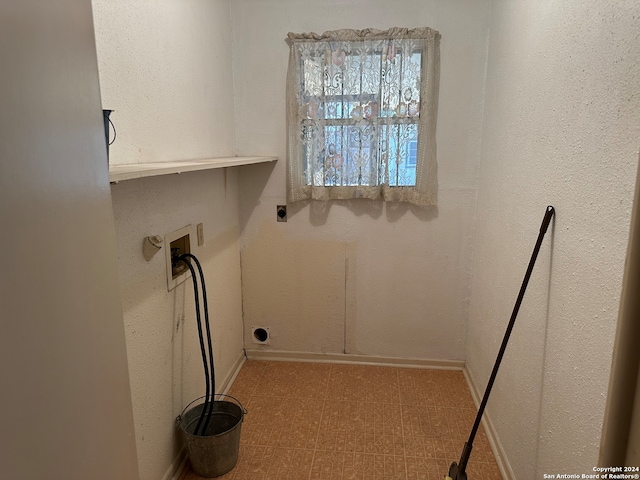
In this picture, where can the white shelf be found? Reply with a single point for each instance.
(118, 173)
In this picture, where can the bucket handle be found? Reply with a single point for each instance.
(244, 410)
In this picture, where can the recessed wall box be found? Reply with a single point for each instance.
(281, 213)
(177, 243)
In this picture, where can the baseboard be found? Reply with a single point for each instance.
(346, 358)
(496, 446)
(178, 464)
(233, 373)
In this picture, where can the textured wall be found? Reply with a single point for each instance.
(165, 67)
(562, 127)
(358, 277)
(162, 338)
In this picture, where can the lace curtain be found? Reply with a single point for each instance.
(361, 115)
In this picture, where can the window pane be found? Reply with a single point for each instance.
(400, 88)
(396, 148)
(312, 77)
(352, 69)
(371, 71)
(359, 107)
(348, 156)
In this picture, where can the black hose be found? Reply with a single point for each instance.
(209, 343)
(202, 349)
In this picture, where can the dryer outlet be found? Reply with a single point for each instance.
(260, 335)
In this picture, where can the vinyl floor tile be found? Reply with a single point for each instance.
(312, 421)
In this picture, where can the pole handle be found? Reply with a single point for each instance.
(547, 219)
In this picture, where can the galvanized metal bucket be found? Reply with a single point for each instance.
(215, 452)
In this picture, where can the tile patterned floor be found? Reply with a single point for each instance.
(312, 421)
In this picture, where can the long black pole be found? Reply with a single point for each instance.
(468, 446)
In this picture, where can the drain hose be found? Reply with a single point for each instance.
(208, 366)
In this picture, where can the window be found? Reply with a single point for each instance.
(361, 115)
(412, 156)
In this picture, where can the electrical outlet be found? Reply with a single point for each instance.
(281, 213)
(200, 234)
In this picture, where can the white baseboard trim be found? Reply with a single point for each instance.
(347, 358)
(233, 373)
(496, 446)
(177, 466)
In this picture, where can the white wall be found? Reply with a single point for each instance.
(162, 339)
(561, 127)
(165, 68)
(65, 407)
(358, 277)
